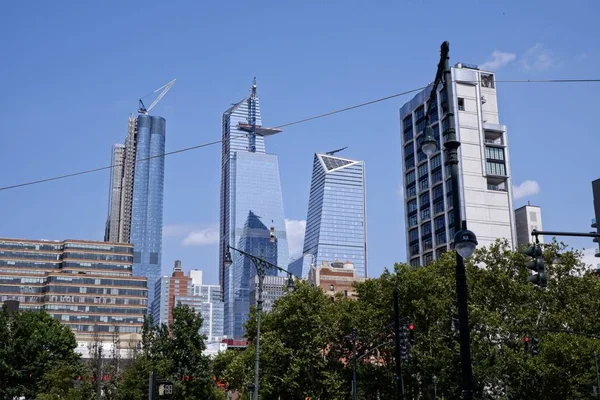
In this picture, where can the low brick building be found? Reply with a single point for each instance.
(337, 277)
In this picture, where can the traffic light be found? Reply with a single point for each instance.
(403, 343)
(537, 265)
(411, 334)
(535, 346)
(526, 345)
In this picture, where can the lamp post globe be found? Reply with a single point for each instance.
(228, 261)
(465, 243)
(429, 145)
(290, 284)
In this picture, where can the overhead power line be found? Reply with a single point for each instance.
(327, 114)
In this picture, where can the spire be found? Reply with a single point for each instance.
(253, 89)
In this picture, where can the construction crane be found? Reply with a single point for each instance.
(336, 151)
(165, 89)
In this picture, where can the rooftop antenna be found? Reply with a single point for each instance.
(336, 151)
(165, 89)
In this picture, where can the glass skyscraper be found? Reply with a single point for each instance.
(251, 207)
(336, 224)
(136, 195)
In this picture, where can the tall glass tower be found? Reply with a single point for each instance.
(336, 224)
(251, 207)
(136, 195)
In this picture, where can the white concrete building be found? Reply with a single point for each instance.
(527, 219)
(484, 167)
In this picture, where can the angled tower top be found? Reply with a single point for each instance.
(331, 163)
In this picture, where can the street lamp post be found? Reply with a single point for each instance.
(465, 241)
(261, 266)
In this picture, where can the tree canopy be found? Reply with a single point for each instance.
(305, 352)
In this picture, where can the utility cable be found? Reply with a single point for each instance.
(327, 114)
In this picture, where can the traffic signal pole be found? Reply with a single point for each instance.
(597, 376)
(535, 232)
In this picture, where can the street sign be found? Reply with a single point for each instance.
(165, 389)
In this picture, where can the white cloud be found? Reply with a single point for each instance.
(589, 257)
(498, 60)
(202, 237)
(537, 58)
(400, 191)
(527, 188)
(175, 230)
(295, 236)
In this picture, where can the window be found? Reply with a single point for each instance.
(409, 162)
(494, 153)
(408, 123)
(423, 184)
(436, 132)
(501, 187)
(436, 161)
(413, 235)
(426, 229)
(414, 262)
(487, 80)
(412, 205)
(425, 213)
(421, 126)
(438, 192)
(495, 168)
(436, 176)
(414, 249)
(440, 237)
(331, 288)
(412, 220)
(409, 149)
(424, 199)
(420, 113)
(439, 252)
(427, 258)
(461, 104)
(408, 135)
(411, 190)
(438, 206)
(439, 223)
(427, 244)
(422, 170)
(410, 177)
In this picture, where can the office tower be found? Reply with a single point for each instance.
(336, 223)
(206, 300)
(528, 218)
(166, 289)
(484, 167)
(251, 217)
(87, 286)
(136, 194)
(274, 287)
(337, 277)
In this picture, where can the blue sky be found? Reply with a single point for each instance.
(71, 72)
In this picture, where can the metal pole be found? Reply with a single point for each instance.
(574, 234)
(99, 371)
(597, 376)
(399, 382)
(152, 386)
(452, 144)
(354, 389)
(259, 305)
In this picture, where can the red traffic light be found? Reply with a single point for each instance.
(526, 339)
(411, 327)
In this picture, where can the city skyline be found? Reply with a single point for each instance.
(97, 74)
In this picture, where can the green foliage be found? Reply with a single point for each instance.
(304, 353)
(175, 353)
(67, 382)
(32, 344)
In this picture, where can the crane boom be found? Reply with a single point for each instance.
(165, 89)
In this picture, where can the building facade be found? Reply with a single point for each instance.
(251, 216)
(274, 287)
(166, 290)
(336, 222)
(334, 278)
(135, 210)
(88, 286)
(528, 218)
(484, 167)
(206, 300)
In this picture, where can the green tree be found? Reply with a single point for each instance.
(175, 353)
(32, 343)
(67, 381)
